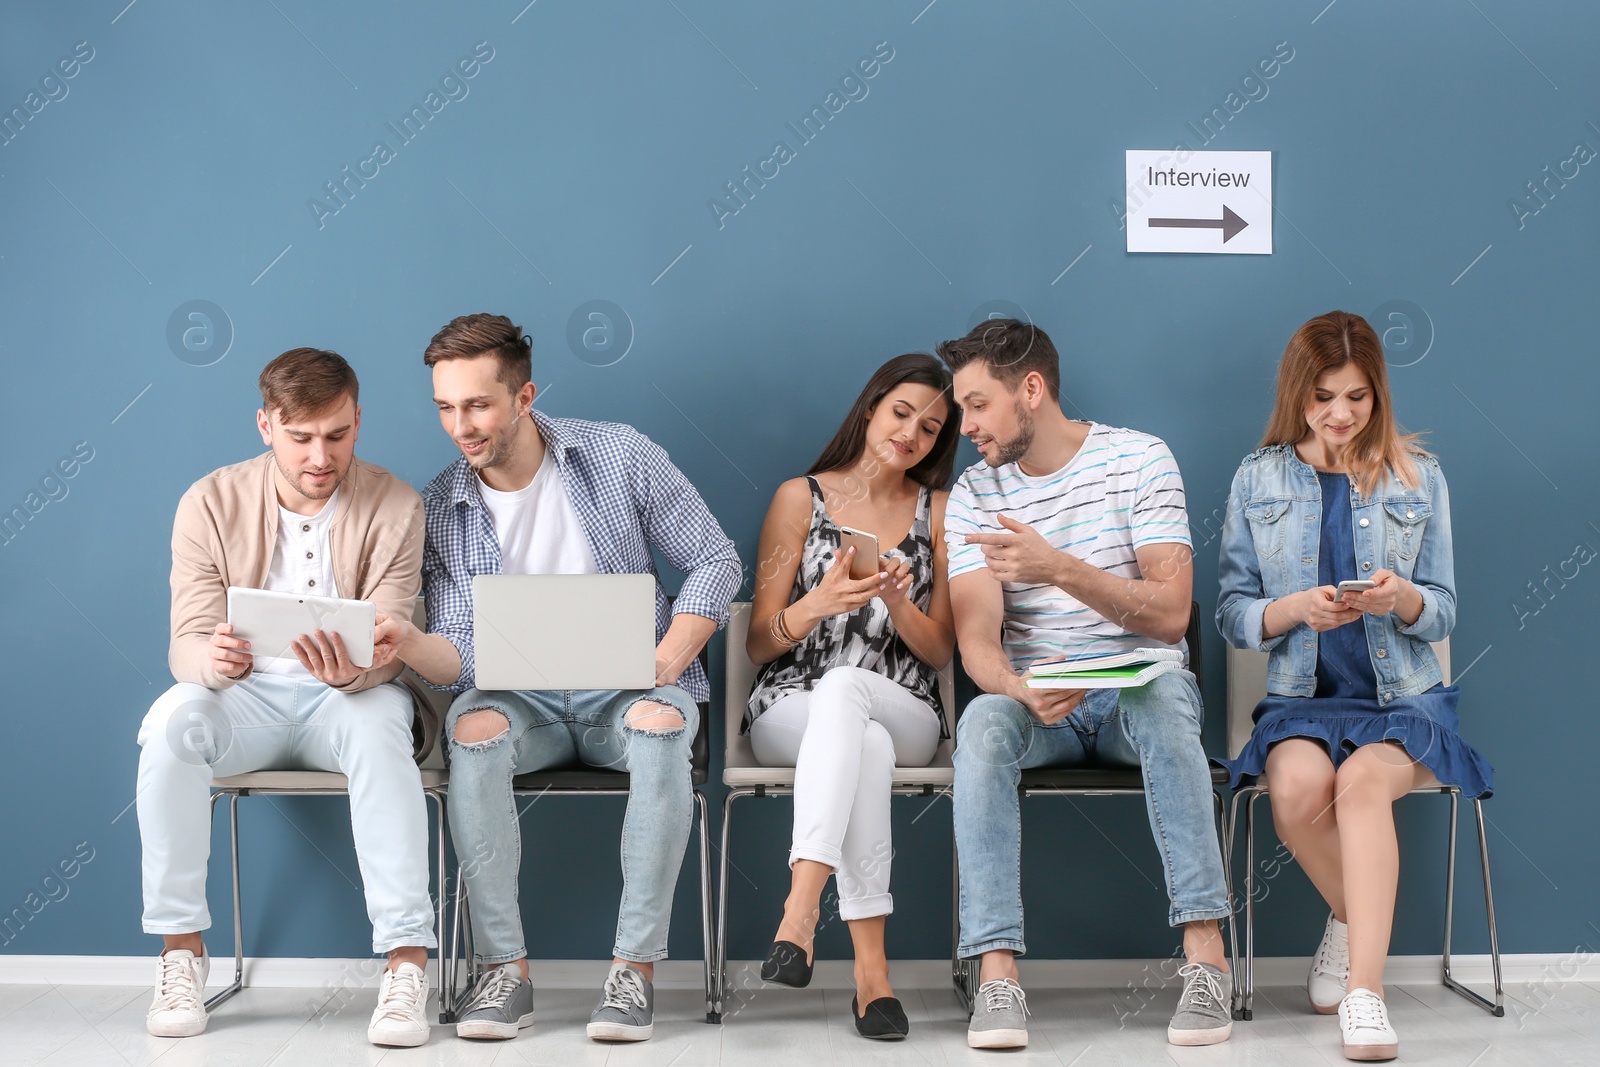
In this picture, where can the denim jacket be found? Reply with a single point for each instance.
(1270, 541)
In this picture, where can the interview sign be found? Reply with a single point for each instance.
(1215, 202)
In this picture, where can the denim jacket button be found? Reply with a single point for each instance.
(1410, 514)
(1366, 565)
(1365, 523)
(1383, 653)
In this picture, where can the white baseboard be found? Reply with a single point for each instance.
(283, 972)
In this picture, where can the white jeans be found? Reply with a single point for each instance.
(270, 722)
(844, 739)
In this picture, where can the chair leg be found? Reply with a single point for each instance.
(446, 970)
(238, 915)
(1230, 817)
(1247, 1000)
(1495, 1007)
(1488, 907)
(962, 974)
(462, 950)
(707, 934)
(721, 970)
(1225, 836)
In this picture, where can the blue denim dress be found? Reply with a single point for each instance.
(1344, 713)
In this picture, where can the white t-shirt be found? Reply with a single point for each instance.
(537, 526)
(300, 564)
(1122, 491)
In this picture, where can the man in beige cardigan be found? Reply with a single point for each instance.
(305, 517)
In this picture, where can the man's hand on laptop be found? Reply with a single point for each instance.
(1049, 706)
(324, 655)
(230, 656)
(1020, 555)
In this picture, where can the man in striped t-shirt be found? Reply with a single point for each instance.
(1070, 539)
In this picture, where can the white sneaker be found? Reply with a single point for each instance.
(179, 1008)
(399, 1018)
(1330, 968)
(1364, 1024)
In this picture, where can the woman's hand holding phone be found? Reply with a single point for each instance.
(1381, 598)
(838, 593)
(1322, 609)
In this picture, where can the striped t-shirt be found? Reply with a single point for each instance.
(1120, 492)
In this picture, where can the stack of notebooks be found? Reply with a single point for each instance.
(1122, 670)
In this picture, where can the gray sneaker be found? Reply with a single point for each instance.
(999, 1016)
(500, 1005)
(1205, 1010)
(627, 1007)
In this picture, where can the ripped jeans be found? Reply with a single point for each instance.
(560, 729)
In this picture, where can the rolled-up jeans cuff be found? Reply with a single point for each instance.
(866, 907)
(426, 939)
(496, 958)
(639, 957)
(817, 852)
(1178, 918)
(180, 928)
(967, 952)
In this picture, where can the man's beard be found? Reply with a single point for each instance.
(1013, 450)
(497, 452)
(310, 492)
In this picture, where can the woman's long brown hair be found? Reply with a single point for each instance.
(1329, 342)
(850, 440)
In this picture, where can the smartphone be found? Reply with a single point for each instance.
(865, 564)
(1356, 587)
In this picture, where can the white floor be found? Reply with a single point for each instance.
(87, 1026)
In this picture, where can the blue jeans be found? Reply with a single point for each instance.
(561, 728)
(1155, 727)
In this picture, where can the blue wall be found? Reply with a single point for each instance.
(577, 164)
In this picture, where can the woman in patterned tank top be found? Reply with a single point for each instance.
(848, 686)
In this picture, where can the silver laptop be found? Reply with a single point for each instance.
(564, 631)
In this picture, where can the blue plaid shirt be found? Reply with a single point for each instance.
(629, 498)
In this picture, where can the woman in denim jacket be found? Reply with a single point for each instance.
(1356, 714)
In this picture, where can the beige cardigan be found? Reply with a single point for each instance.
(225, 532)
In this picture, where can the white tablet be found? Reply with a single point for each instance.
(272, 621)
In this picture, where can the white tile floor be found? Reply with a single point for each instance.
(89, 1026)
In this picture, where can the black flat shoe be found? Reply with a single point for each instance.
(885, 1020)
(786, 964)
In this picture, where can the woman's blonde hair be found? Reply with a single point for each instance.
(1329, 342)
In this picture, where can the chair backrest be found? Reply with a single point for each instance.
(1247, 687)
(740, 676)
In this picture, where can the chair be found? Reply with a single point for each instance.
(746, 777)
(594, 782)
(1089, 782)
(1247, 686)
(322, 784)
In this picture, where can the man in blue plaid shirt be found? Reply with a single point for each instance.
(536, 495)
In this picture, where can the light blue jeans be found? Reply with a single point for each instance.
(561, 728)
(272, 722)
(1155, 727)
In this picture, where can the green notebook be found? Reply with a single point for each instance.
(1066, 675)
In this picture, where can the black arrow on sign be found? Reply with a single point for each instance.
(1229, 224)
